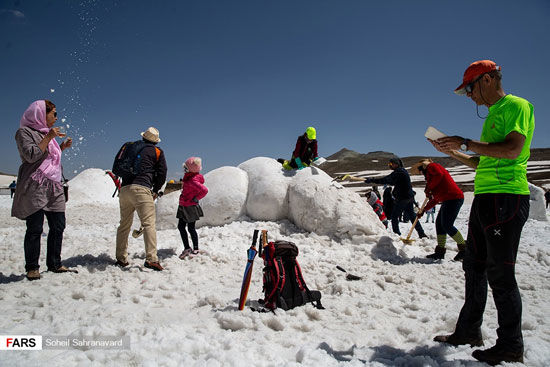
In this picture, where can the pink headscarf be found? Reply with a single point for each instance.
(35, 118)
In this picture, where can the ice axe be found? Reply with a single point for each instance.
(408, 240)
(137, 232)
(348, 275)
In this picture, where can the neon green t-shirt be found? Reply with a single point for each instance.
(499, 175)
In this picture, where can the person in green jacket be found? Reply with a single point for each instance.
(498, 213)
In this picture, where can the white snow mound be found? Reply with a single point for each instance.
(537, 209)
(267, 189)
(91, 186)
(225, 201)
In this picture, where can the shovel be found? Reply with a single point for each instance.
(408, 240)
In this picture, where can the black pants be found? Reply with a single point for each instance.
(494, 231)
(445, 221)
(404, 207)
(192, 232)
(35, 222)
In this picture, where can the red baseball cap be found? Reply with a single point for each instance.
(475, 69)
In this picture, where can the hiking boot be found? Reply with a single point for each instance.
(185, 253)
(61, 269)
(33, 274)
(122, 264)
(456, 340)
(153, 265)
(497, 354)
(438, 254)
(422, 235)
(460, 255)
(195, 252)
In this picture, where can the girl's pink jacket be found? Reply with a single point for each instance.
(192, 187)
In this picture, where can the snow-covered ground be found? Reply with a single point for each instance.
(187, 315)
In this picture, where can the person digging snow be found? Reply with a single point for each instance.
(305, 152)
(442, 189)
(402, 192)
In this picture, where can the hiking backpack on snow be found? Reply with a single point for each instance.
(284, 285)
(128, 159)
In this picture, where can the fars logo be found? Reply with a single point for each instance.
(20, 342)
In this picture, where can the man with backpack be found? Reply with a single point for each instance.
(142, 167)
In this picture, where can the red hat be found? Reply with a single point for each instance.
(474, 70)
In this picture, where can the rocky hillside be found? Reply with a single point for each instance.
(349, 161)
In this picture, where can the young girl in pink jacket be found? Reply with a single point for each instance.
(189, 210)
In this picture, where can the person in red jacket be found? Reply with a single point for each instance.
(189, 210)
(442, 189)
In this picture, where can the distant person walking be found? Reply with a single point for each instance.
(12, 187)
(442, 189)
(402, 192)
(39, 189)
(547, 197)
(142, 167)
(430, 213)
(305, 152)
(498, 212)
(189, 210)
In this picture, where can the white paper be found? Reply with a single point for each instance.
(434, 134)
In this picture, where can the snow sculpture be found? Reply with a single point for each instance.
(267, 189)
(226, 198)
(318, 205)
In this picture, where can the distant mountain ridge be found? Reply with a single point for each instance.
(346, 160)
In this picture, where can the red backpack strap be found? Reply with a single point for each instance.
(278, 277)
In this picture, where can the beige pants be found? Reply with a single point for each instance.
(136, 198)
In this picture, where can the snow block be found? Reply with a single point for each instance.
(226, 198)
(166, 209)
(537, 210)
(267, 189)
(317, 204)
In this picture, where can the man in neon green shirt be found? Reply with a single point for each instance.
(499, 211)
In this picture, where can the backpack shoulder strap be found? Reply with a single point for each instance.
(157, 151)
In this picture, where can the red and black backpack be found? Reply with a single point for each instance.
(284, 285)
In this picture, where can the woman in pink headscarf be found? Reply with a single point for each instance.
(39, 190)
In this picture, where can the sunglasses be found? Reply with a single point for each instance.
(470, 86)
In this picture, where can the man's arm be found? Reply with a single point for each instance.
(510, 148)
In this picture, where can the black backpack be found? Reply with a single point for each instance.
(284, 285)
(128, 159)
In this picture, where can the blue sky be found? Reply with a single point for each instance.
(232, 80)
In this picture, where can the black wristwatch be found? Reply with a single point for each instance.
(464, 145)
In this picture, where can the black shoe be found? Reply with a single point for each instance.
(122, 264)
(153, 265)
(456, 340)
(460, 255)
(422, 235)
(497, 354)
(438, 254)
(60, 269)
